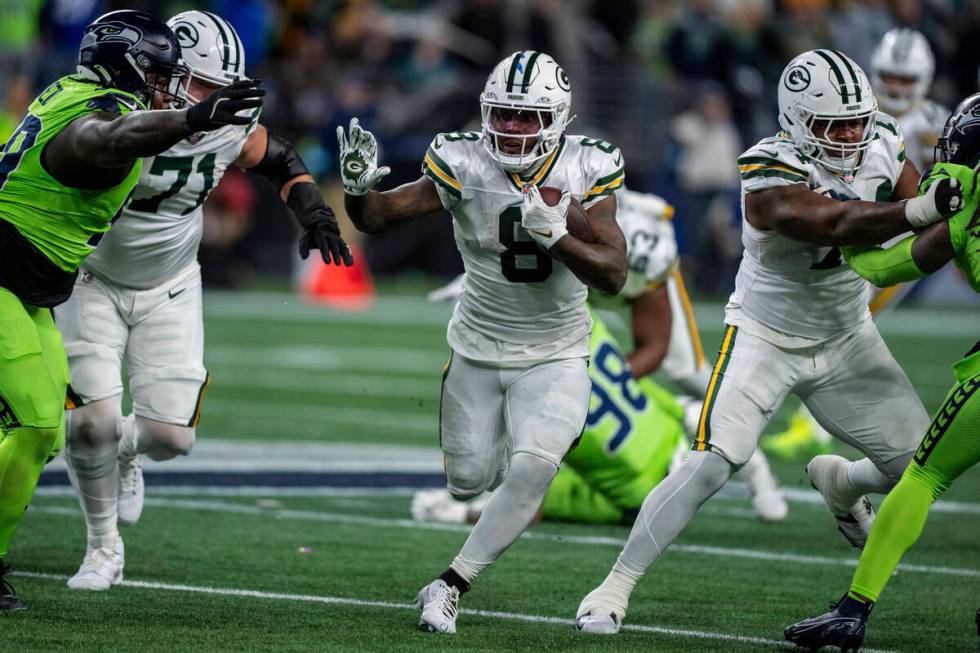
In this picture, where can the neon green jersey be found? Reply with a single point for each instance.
(964, 227)
(65, 224)
(632, 430)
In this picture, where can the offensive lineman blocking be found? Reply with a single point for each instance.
(516, 389)
(798, 321)
(139, 296)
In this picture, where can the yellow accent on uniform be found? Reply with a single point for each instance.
(751, 167)
(882, 299)
(692, 326)
(431, 165)
(599, 190)
(200, 401)
(542, 172)
(701, 444)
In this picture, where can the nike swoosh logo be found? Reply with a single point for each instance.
(544, 234)
(174, 293)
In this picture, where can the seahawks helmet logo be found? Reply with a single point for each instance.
(562, 78)
(797, 79)
(187, 34)
(113, 33)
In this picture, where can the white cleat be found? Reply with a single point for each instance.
(854, 519)
(131, 490)
(438, 506)
(600, 613)
(767, 496)
(101, 569)
(439, 603)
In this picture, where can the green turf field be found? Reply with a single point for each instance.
(336, 570)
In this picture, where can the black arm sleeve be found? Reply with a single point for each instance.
(281, 162)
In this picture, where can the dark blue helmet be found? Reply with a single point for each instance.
(132, 51)
(960, 141)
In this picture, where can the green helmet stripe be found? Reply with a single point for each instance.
(854, 77)
(226, 47)
(527, 72)
(845, 96)
(515, 62)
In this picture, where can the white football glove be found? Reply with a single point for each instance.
(546, 224)
(941, 201)
(359, 160)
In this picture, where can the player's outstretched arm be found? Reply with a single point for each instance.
(651, 325)
(110, 141)
(266, 153)
(910, 259)
(802, 214)
(370, 211)
(601, 265)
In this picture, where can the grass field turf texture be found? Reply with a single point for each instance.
(226, 572)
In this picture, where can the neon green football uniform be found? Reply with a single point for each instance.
(46, 231)
(952, 443)
(633, 429)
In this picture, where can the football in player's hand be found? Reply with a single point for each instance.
(576, 220)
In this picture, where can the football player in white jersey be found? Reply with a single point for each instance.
(902, 67)
(516, 389)
(798, 321)
(139, 296)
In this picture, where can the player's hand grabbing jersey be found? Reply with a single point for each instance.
(803, 292)
(518, 304)
(160, 230)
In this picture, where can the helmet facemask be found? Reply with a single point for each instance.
(839, 156)
(551, 120)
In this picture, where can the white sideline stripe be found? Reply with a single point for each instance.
(594, 540)
(256, 492)
(363, 603)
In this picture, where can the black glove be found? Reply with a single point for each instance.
(219, 108)
(320, 229)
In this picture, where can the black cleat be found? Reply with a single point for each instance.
(843, 627)
(8, 597)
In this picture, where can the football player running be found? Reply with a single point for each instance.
(65, 175)
(798, 321)
(950, 446)
(139, 297)
(902, 66)
(516, 389)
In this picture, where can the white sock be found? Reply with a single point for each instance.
(863, 476)
(509, 511)
(128, 439)
(96, 478)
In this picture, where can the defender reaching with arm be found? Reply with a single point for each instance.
(60, 191)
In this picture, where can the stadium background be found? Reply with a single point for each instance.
(266, 538)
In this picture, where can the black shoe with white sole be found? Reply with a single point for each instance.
(843, 627)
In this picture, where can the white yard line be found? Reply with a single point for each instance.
(389, 605)
(587, 540)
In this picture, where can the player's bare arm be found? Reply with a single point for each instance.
(800, 213)
(372, 211)
(267, 154)
(907, 185)
(651, 326)
(602, 264)
(98, 149)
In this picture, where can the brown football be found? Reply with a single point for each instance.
(577, 221)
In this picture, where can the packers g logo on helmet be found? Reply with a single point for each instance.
(797, 79)
(187, 34)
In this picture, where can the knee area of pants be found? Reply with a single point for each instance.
(467, 480)
(531, 470)
(177, 440)
(91, 431)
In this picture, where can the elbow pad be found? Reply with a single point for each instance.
(281, 162)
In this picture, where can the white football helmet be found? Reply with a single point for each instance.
(903, 53)
(531, 81)
(210, 48)
(826, 86)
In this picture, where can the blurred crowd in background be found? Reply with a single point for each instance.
(683, 87)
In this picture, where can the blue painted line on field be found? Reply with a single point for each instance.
(275, 479)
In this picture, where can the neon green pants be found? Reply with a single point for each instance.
(950, 447)
(33, 381)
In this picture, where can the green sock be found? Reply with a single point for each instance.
(897, 527)
(23, 453)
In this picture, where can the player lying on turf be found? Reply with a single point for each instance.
(798, 321)
(139, 298)
(902, 66)
(515, 392)
(633, 434)
(951, 444)
(65, 175)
